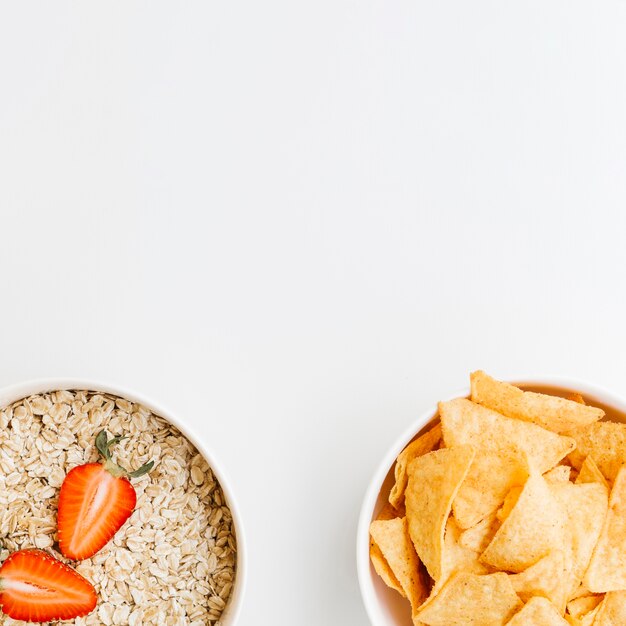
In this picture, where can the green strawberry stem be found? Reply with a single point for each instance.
(103, 443)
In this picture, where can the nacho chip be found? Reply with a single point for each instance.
(509, 502)
(389, 512)
(538, 612)
(607, 569)
(535, 526)
(556, 414)
(422, 445)
(579, 607)
(547, 578)
(605, 442)
(456, 557)
(434, 480)
(585, 506)
(478, 537)
(558, 474)
(576, 397)
(590, 473)
(612, 611)
(505, 449)
(490, 478)
(471, 600)
(392, 538)
(466, 423)
(383, 569)
(580, 592)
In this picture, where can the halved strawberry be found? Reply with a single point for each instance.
(36, 587)
(95, 501)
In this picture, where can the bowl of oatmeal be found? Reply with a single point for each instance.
(179, 559)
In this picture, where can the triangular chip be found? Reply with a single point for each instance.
(590, 473)
(422, 445)
(558, 474)
(556, 414)
(434, 480)
(612, 611)
(456, 557)
(390, 512)
(506, 449)
(383, 569)
(509, 502)
(605, 442)
(585, 506)
(392, 537)
(538, 612)
(579, 607)
(607, 569)
(471, 599)
(535, 526)
(548, 578)
(478, 537)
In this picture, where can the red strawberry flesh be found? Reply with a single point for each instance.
(93, 505)
(35, 587)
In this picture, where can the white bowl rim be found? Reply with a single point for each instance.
(12, 393)
(372, 606)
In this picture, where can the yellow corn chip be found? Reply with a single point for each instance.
(478, 537)
(581, 606)
(422, 445)
(558, 474)
(605, 442)
(549, 577)
(392, 537)
(556, 414)
(389, 512)
(585, 506)
(505, 449)
(457, 558)
(612, 611)
(576, 397)
(589, 473)
(534, 527)
(471, 600)
(538, 612)
(383, 570)
(434, 480)
(509, 502)
(580, 592)
(607, 569)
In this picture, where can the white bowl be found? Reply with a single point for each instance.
(8, 395)
(384, 606)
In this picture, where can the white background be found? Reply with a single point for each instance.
(300, 224)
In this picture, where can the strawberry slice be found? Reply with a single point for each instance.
(35, 587)
(95, 501)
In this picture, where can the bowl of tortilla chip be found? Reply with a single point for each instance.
(504, 504)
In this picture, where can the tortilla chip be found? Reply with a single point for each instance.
(383, 570)
(434, 480)
(607, 569)
(466, 423)
(389, 512)
(585, 506)
(509, 502)
(612, 611)
(579, 607)
(456, 557)
(535, 527)
(556, 414)
(558, 474)
(589, 473)
(471, 600)
(538, 612)
(490, 478)
(576, 397)
(422, 445)
(605, 442)
(548, 578)
(580, 592)
(478, 537)
(392, 537)
(506, 449)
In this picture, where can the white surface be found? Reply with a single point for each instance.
(300, 224)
